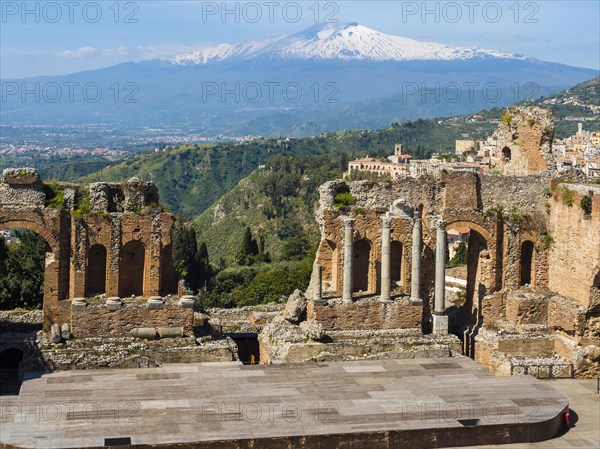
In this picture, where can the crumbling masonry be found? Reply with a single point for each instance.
(110, 248)
(533, 267)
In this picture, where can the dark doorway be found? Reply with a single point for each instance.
(96, 271)
(10, 380)
(131, 278)
(168, 276)
(330, 263)
(248, 348)
(506, 154)
(526, 262)
(396, 256)
(360, 268)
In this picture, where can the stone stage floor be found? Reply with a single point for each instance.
(366, 404)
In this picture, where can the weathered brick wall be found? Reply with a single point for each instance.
(566, 315)
(525, 308)
(540, 347)
(366, 314)
(574, 259)
(96, 320)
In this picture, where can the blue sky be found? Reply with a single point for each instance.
(56, 37)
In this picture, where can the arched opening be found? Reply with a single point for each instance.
(131, 276)
(468, 277)
(396, 264)
(10, 362)
(96, 271)
(25, 257)
(506, 154)
(168, 276)
(475, 284)
(360, 267)
(330, 263)
(526, 263)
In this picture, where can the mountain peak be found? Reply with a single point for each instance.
(341, 41)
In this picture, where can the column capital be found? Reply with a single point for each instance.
(348, 222)
(441, 224)
(386, 221)
(416, 215)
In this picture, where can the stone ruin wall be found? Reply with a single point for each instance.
(558, 315)
(462, 199)
(525, 137)
(575, 255)
(107, 214)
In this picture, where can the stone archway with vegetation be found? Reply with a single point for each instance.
(86, 227)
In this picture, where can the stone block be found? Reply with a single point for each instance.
(527, 308)
(566, 314)
(440, 325)
(21, 176)
(312, 330)
(295, 307)
(187, 301)
(155, 302)
(113, 304)
(78, 305)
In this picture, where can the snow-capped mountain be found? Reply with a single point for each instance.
(349, 41)
(325, 78)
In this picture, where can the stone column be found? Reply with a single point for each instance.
(417, 249)
(440, 320)
(348, 256)
(385, 259)
(318, 291)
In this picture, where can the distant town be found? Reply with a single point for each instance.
(579, 151)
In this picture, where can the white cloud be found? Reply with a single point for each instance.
(81, 52)
(122, 53)
(116, 52)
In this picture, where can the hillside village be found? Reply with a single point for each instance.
(579, 151)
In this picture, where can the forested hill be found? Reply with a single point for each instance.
(191, 178)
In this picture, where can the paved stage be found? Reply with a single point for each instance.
(367, 404)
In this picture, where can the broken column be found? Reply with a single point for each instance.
(417, 248)
(348, 256)
(440, 320)
(55, 332)
(385, 259)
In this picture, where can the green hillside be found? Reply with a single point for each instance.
(276, 202)
(573, 105)
(191, 178)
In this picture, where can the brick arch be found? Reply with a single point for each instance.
(56, 274)
(45, 233)
(471, 225)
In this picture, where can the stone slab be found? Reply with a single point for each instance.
(377, 404)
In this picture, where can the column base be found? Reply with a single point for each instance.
(347, 301)
(416, 302)
(385, 300)
(440, 325)
(319, 302)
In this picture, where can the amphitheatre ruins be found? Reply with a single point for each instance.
(378, 290)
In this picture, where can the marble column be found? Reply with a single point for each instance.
(417, 249)
(440, 320)
(386, 259)
(348, 259)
